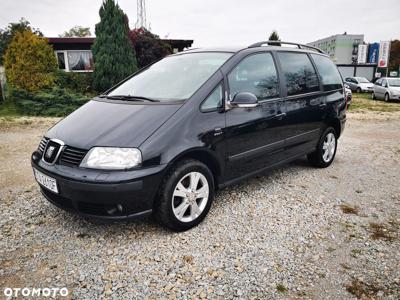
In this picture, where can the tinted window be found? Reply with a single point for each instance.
(214, 100)
(299, 73)
(173, 78)
(330, 76)
(255, 74)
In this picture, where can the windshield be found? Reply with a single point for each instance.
(173, 78)
(362, 80)
(394, 82)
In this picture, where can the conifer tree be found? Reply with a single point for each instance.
(113, 57)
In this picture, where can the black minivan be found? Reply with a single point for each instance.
(166, 138)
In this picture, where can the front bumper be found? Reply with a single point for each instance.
(102, 194)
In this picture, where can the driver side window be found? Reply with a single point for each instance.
(255, 74)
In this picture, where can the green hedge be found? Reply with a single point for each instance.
(75, 82)
(56, 102)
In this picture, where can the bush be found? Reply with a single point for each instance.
(55, 102)
(29, 62)
(75, 82)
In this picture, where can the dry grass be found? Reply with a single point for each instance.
(364, 102)
(381, 232)
(362, 290)
(347, 209)
(281, 288)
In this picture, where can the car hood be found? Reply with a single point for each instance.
(112, 124)
(395, 89)
(369, 84)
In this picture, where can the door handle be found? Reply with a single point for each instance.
(322, 105)
(280, 116)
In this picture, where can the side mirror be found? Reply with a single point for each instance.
(244, 100)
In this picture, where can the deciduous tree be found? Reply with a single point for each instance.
(77, 31)
(148, 46)
(29, 62)
(7, 34)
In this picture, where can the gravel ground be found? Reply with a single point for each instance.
(297, 232)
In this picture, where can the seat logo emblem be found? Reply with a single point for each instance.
(50, 151)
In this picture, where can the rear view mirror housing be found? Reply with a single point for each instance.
(244, 100)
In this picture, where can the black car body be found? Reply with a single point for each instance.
(259, 122)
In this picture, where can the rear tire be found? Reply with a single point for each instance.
(185, 196)
(325, 153)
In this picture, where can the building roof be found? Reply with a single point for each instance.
(60, 42)
(70, 40)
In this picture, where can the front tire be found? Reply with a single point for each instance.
(373, 96)
(326, 149)
(387, 98)
(358, 90)
(185, 196)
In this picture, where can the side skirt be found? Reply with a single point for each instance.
(265, 169)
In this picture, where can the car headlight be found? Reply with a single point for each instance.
(110, 158)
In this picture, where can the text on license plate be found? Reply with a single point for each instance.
(46, 181)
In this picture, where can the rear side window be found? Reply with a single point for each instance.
(255, 74)
(299, 73)
(330, 76)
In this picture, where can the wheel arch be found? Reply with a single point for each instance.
(205, 156)
(335, 123)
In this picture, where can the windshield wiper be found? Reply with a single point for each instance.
(128, 98)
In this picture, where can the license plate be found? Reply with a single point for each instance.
(46, 181)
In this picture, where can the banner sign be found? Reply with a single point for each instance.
(373, 53)
(362, 54)
(383, 54)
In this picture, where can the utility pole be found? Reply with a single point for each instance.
(141, 14)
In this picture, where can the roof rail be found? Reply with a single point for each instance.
(279, 43)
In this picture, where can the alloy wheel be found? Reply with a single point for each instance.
(329, 147)
(190, 197)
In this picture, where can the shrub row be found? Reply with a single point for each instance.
(55, 102)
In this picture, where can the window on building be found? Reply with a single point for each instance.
(61, 60)
(75, 60)
(299, 73)
(330, 76)
(255, 74)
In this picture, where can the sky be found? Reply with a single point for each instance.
(222, 22)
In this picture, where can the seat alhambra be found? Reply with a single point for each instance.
(166, 138)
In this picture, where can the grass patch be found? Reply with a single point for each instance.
(347, 209)
(356, 252)
(9, 110)
(362, 290)
(281, 288)
(364, 102)
(381, 232)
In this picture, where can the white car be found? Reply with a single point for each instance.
(387, 89)
(359, 84)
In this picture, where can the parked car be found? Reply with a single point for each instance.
(359, 84)
(163, 140)
(349, 94)
(387, 88)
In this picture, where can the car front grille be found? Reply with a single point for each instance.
(72, 156)
(42, 145)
